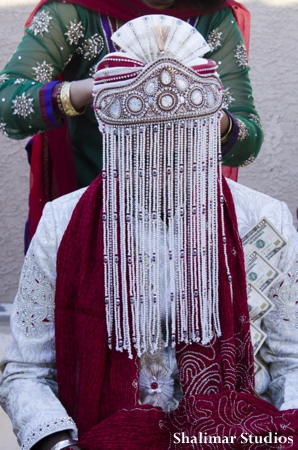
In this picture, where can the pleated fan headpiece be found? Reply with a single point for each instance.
(158, 105)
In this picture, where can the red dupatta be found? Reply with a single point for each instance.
(99, 387)
(131, 9)
(52, 171)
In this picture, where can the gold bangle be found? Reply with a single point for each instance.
(67, 107)
(226, 137)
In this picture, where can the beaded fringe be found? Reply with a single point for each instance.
(160, 184)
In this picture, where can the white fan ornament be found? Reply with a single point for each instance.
(151, 37)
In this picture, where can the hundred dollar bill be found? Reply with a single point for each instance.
(264, 238)
(258, 337)
(260, 272)
(258, 366)
(259, 304)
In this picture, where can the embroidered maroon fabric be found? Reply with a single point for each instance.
(99, 387)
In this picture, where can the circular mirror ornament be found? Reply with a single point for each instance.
(167, 101)
(135, 104)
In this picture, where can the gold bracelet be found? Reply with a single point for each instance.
(226, 137)
(67, 107)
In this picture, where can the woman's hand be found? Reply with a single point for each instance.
(224, 123)
(81, 93)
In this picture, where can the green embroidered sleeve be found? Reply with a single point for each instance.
(228, 50)
(62, 38)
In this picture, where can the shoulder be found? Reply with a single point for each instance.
(218, 17)
(251, 206)
(63, 207)
(61, 12)
(56, 215)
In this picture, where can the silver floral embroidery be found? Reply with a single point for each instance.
(43, 72)
(3, 78)
(255, 119)
(75, 32)
(243, 130)
(40, 23)
(214, 39)
(227, 98)
(285, 297)
(3, 128)
(241, 55)
(248, 161)
(35, 300)
(22, 105)
(48, 428)
(91, 47)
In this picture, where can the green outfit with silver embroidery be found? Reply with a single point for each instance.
(69, 39)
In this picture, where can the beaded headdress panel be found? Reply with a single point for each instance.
(158, 104)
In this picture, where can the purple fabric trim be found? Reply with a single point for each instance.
(108, 33)
(235, 128)
(193, 21)
(46, 104)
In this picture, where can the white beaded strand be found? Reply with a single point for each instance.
(115, 250)
(169, 256)
(191, 154)
(106, 241)
(136, 222)
(196, 244)
(128, 256)
(169, 217)
(153, 220)
(222, 201)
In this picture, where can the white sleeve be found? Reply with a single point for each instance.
(28, 391)
(280, 350)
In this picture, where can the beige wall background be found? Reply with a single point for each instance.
(274, 75)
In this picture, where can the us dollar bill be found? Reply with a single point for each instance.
(260, 272)
(258, 366)
(258, 337)
(259, 304)
(264, 238)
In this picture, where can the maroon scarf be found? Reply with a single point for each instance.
(99, 387)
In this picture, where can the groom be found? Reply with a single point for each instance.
(152, 336)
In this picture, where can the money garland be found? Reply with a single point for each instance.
(261, 244)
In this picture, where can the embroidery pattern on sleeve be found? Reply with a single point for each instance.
(40, 23)
(35, 300)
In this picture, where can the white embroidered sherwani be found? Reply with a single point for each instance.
(28, 391)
